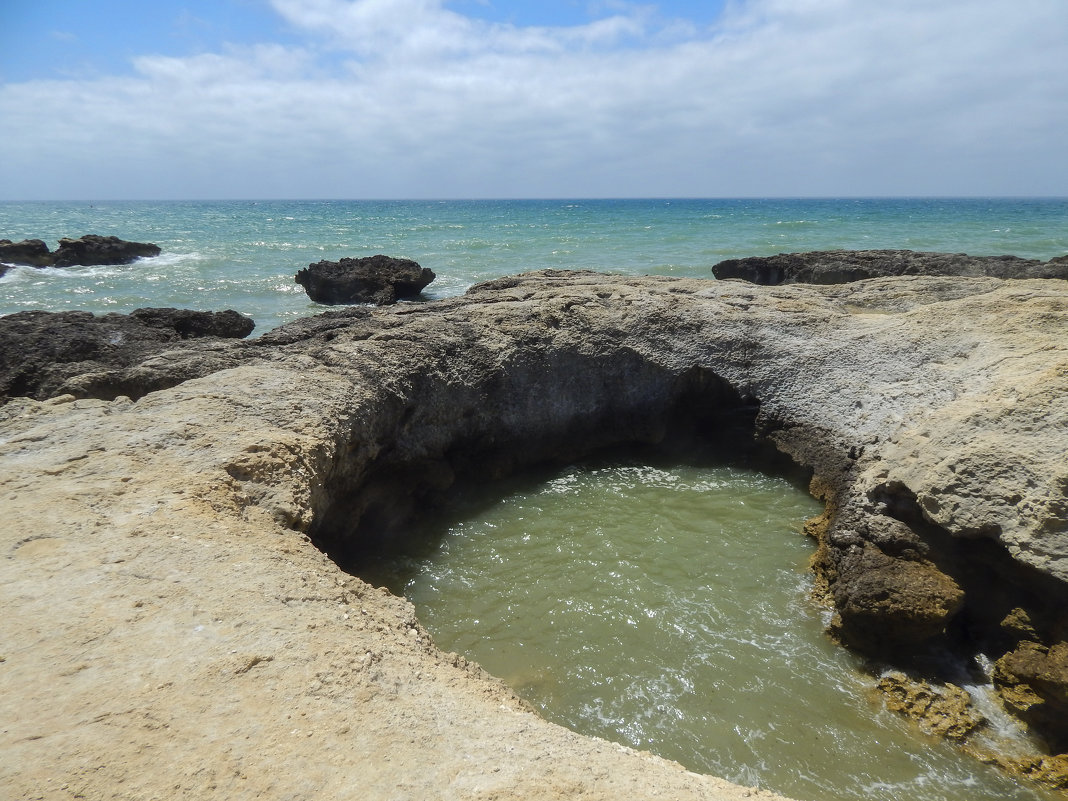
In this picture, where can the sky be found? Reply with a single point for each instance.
(212, 99)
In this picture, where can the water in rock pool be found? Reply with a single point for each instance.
(669, 608)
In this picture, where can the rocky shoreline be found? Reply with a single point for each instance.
(930, 412)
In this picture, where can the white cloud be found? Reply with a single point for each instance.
(407, 98)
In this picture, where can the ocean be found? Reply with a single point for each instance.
(243, 255)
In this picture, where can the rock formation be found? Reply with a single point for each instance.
(842, 266)
(31, 252)
(87, 250)
(380, 280)
(40, 351)
(92, 249)
(931, 414)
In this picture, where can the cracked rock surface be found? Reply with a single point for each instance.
(170, 629)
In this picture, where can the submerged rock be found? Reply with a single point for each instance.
(930, 413)
(380, 280)
(843, 266)
(88, 250)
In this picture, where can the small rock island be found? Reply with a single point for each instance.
(87, 251)
(378, 280)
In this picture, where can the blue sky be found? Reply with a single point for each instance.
(562, 98)
(72, 38)
(78, 38)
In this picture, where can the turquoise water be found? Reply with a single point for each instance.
(244, 254)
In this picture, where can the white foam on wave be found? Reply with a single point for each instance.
(20, 273)
(14, 272)
(170, 259)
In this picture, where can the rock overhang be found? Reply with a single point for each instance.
(878, 388)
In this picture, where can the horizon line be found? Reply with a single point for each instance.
(548, 198)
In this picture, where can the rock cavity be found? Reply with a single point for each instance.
(929, 412)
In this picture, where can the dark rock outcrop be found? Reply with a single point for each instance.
(189, 324)
(31, 252)
(380, 280)
(91, 249)
(843, 266)
(86, 251)
(40, 351)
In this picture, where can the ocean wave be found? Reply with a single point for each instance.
(18, 273)
(171, 259)
(21, 273)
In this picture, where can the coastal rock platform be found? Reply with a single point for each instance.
(170, 630)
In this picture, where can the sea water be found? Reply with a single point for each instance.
(703, 645)
(668, 607)
(244, 254)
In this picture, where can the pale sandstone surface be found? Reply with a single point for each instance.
(162, 638)
(169, 631)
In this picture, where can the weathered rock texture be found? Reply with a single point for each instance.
(31, 252)
(946, 711)
(41, 351)
(163, 604)
(843, 266)
(380, 280)
(87, 250)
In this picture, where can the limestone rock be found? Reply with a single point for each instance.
(929, 411)
(946, 711)
(1034, 683)
(842, 266)
(380, 280)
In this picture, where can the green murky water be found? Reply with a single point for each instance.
(667, 608)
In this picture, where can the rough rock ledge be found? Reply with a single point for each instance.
(169, 631)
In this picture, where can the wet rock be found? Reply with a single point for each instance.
(92, 249)
(944, 710)
(87, 250)
(30, 252)
(1051, 771)
(843, 266)
(380, 280)
(41, 352)
(888, 606)
(1033, 681)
